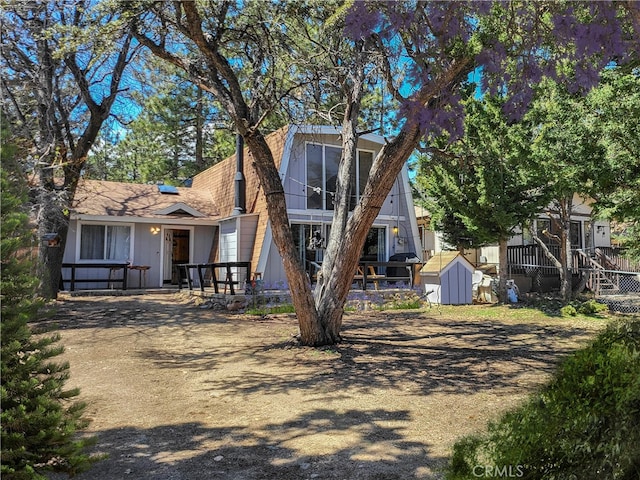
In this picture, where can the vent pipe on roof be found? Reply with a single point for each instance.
(240, 187)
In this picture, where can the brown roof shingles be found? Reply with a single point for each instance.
(101, 198)
(219, 180)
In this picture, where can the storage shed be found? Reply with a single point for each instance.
(447, 279)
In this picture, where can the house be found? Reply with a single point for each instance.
(527, 263)
(159, 226)
(154, 226)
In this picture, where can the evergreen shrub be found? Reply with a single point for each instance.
(585, 424)
(39, 418)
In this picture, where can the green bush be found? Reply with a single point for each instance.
(584, 425)
(591, 307)
(568, 311)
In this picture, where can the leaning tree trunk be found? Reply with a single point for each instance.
(311, 329)
(345, 248)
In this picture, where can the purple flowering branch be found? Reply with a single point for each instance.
(515, 45)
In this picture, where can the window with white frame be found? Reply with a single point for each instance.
(322, 174)
(105, 242)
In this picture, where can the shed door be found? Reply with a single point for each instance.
(456, 286)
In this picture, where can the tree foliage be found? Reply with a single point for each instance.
(501, 174)
(178, 132)
(262, 60)
(615, 105)
(63, 65)
(39, 416)
(481, 187)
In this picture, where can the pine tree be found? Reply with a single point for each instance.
(39, 417)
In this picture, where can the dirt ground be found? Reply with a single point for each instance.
(177, 392)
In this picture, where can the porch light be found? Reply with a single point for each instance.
(395, 230)
(155, 230)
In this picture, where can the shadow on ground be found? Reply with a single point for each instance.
(412, 352)
(379, 379)
(183, 451)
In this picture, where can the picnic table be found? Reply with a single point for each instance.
(201, 268)
(377, 272)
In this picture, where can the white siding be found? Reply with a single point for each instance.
(228, 241)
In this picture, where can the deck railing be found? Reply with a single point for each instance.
(530, 259)
(614, 258)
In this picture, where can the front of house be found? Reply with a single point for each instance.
(158, 227)
(142, 225)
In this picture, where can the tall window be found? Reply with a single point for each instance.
(302, 236)
(322, 175)
(576, 234)
(105, 242)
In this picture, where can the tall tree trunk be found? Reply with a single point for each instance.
(503, 273)
(52, 218)
(563, 225)
(199, 130)
(345, 245)
(311, 328)
(330, 307)
(337, 280)
(565, 252)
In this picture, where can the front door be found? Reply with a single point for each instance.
(176, 250)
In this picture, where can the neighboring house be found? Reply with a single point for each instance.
(525, 257)
(144, 226)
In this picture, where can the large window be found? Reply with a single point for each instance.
(311, 253)
(105, 242)
(322, 174)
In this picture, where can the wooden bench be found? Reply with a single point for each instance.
(110, 280)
